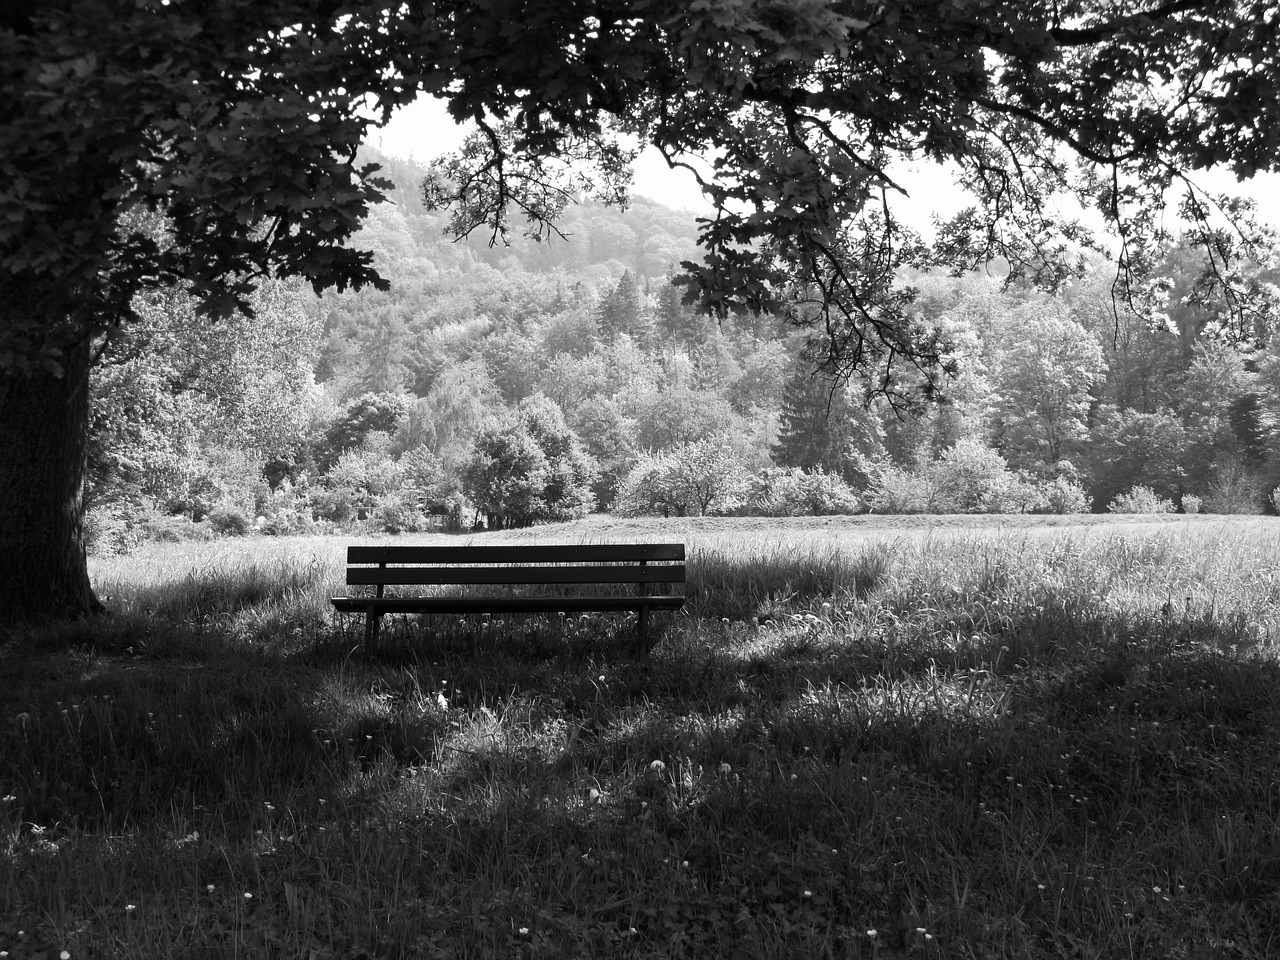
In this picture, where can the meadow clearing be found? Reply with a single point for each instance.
(970, 737)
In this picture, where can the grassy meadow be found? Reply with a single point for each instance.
(979, 738)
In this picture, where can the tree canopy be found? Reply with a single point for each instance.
(239, 118)
(806, 106)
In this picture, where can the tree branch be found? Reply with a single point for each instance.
(1086, 36)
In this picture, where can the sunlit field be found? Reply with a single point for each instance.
(994, 737)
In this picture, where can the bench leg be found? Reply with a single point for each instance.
(372, 621)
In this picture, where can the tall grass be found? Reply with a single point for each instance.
(949, 743)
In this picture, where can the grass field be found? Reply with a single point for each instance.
(994, 737)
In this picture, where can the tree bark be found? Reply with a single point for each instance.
(44, 420)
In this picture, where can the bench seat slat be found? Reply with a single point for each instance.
(639, 566)
(504, 604)
(551, 553)
(472, 575)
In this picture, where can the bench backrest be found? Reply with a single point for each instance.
(547, 563)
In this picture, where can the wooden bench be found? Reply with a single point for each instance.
(555, 571)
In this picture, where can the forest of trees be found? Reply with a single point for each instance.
(539, 381)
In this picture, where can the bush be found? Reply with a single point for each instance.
(335, 504)
(399, 513)
(217, 477)
(1140, 499)
(122, 525)
(648, 490)
(967, 478)
(110, 528)
(1235, 488)
(1064, 495)
(894, 489)
(159, 527)
(706, 477)
(792, 492)
(285, 514)
(229, 521)
(1191, 503)
(970, 477)
(528, 467)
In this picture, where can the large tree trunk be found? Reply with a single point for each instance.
(44, 422)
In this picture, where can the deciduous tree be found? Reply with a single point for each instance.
(528, 467)
(240, 119)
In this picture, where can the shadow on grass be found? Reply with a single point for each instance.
(1024, 780)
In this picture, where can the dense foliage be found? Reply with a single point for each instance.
(1053, 407)
(237, 121)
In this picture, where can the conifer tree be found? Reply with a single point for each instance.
(620, 311)
(674, 320)
(813, 422)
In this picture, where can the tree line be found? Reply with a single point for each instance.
(522, 391)
(238, 122)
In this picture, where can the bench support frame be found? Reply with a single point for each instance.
(566, 565)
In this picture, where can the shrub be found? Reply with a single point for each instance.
(528, 467)
(335, 504)
(122, 525)
(216, 477)
(793, 492)
(648, 490)
(894, 489)
(1234, 489)
(229, 520)
(109, 528)
(1140, 499)
(399, 513)
(160, 527)
(705, 477)
(970, 477)
(1064, 495)
(286, 513)
(1191, 503)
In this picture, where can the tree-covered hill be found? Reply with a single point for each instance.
(366, 406)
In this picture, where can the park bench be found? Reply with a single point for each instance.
(551, 578)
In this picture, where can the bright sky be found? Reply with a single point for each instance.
(424, 130)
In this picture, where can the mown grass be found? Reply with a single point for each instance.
(919, 743)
